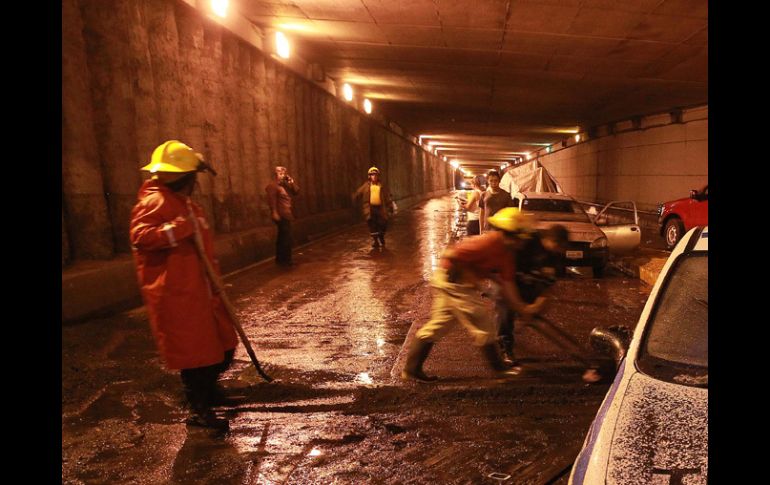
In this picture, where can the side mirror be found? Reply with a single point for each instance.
(611, 341)
(693, 194)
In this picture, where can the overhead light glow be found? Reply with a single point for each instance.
(548, 149)
(220, 7)
(282, 45)
(454, 163)
(529, 156)
(347, 92)
(577, 138)
(367, 106)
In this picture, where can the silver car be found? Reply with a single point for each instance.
(652, 426)
(589, 245)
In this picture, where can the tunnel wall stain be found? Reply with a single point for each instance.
(137, 73)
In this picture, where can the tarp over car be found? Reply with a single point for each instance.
(529, 177)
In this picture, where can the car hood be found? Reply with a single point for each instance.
(672, 203)
(661, 432)
(578, 231)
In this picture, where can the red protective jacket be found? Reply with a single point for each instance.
(189, 322)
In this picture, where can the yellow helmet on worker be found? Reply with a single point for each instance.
(174, 156)
(512, 219)
(373, 170)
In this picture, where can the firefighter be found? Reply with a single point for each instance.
(377, 206)
(457, 296)
(188, 320)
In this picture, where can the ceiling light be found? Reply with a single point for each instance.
(548, 149)
(220, 7)
(529, 156)
(367, 106)
(454, 163)
(347, 92)
(282, 45)
(577, 138)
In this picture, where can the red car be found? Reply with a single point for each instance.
(679, 216)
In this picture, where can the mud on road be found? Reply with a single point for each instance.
(331, 332)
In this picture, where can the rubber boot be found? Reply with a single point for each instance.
(418, 352)
(375, 241)
(381, 237)
(506, 350)
(198, 384)
(492, 354)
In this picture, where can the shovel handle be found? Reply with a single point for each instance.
(217, 281)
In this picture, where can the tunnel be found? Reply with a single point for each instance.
(611, 98)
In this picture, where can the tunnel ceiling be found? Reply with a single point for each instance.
(488, 79)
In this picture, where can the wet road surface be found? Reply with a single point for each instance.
(331, 331)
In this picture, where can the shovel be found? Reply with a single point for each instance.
(217, 281)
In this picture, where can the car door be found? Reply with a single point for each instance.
(700, 208)
(622, 236)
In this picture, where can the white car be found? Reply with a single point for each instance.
(652, 426)
(589, 245)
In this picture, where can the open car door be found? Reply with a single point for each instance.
(622, 236)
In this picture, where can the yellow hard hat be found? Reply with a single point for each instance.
(176, 157)
(511, 219)
(373, 170)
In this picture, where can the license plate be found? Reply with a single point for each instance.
(574, 254)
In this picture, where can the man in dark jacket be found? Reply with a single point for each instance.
(377, 206)
(536, 262)
(280, 192)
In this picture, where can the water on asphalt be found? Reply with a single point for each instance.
(331, 332)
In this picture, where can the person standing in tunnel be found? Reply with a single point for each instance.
(377, 206)
(536, 262)
(473, 209)
(457, 294)
(192, 329)
(493, 199)
(280, 192)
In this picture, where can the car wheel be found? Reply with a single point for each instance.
(599, 271)
(673, 232)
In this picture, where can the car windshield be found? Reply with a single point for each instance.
(555, 210)
(675, 345)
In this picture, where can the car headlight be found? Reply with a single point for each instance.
(599, 243)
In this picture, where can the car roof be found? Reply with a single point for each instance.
(546, 195)
(696, 239)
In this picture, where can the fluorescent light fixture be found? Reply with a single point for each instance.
(548, 149)
(220, 7)
(529, 156)
(282, 45)
(347, 92)
(367, 106)
(454, 163)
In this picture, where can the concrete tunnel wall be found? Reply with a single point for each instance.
(655, 161)
(138, 73)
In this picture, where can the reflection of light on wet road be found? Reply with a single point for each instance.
(435, 235)
(314, 452)
(367, 308)
(364, 378)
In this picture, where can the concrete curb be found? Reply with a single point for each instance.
(645, 264)
(97, 288)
